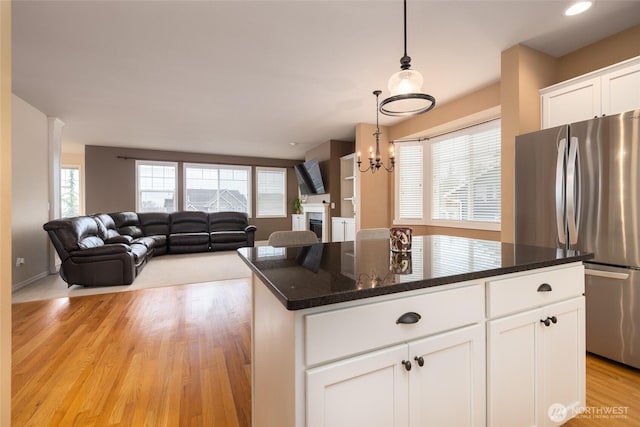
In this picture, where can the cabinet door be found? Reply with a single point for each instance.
(562, 354)
(349, 230)
(449, 388)
(337, 230)
(571, 103)
(511, 370)
(369, 390)
(297, 222)
(621, 90)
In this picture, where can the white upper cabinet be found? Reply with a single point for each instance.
(571, 103)
(621, 90)
(607, 91)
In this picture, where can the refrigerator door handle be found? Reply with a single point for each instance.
(562, 146)
(571, 193)
(607, 274)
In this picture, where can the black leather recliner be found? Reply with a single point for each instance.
(230, 230)
(86, 259)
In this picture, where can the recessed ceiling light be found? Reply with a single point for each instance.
(293, 144)
(577, 8)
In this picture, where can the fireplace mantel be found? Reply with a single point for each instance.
(323, 209)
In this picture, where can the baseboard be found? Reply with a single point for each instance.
(20, 285)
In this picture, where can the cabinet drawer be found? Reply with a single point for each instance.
(340, 333)
(505, 296)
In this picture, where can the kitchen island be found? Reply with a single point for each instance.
(456, 332)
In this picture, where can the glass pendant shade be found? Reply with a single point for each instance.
(405, 81)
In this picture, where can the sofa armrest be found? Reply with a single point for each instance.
(250, 228)
(110, 249)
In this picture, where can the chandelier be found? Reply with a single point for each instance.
(376, 163)
(405, 87)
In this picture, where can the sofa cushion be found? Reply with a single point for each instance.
(189, 222)
(189, 239)
(108, 232)
(227, 221)
(127, 223)
(139, 252)
(154, 223)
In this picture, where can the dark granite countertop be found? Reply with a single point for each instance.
(328, 273)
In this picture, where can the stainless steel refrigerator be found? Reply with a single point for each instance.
(578, 187)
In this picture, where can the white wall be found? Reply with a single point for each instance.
(29, 193)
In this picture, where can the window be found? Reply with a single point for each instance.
(461, 179)
(271, 195)
(69, 191)
(217, 188)
(156, 186)
(409, 182)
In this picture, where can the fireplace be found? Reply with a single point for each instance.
(315, 225)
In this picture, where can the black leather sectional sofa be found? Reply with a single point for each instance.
(111, 249)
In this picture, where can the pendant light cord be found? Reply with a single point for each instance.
(405, 27)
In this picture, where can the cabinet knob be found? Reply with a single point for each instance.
(407, 364)
(409, 317)
(420, 360)
(545, 287)
(546, 321)
(553, 319)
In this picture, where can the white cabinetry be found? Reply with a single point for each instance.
(436, 381)
(343, 229)
(536, 357)
(404, 384)
(607, 91)
(298, 222)
(571, 103)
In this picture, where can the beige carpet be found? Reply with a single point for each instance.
(160, 271)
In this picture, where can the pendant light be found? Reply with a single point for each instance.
(405, 87)
(375, 160)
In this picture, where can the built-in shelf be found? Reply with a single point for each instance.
(347, 185)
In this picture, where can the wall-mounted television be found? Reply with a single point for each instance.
(309, 178)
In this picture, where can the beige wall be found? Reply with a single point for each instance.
(524, 71)
(474, 107)
(374, 207)
(30, 193)
(5, 213)
(328, 155)
(603, 53)
(110, 180)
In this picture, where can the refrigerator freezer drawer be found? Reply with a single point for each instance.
(613, 313)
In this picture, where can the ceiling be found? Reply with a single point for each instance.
(254, 77)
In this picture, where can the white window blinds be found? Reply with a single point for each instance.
(271, 192)
(465, 174)
(410, 181)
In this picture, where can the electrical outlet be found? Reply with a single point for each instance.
(19, 262)
(333, 205)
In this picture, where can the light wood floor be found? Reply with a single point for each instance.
(178, 356)
(175, 356)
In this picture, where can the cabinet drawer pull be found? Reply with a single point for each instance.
(553, 319)
(407, 364)
(545, 287)
(420, 360)
(409, 317)
(546, 321)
